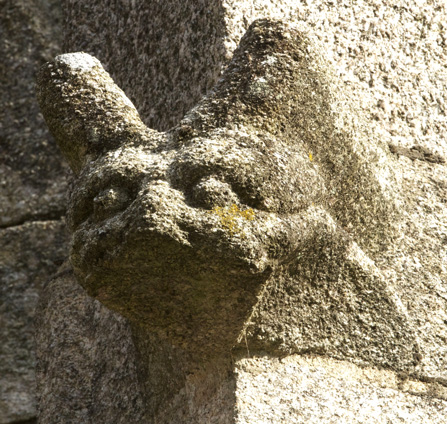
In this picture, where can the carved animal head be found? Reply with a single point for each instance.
(179, 231)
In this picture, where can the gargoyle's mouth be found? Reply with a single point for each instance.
(193, 291)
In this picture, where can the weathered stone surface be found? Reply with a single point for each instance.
(32, 172)
(93, 367)
(135, 209)
(177, 47)
(86, 361)
(306, 389)
(29, 253)
(392, 56)
(159, 39)
(375, 49)
(32, 194)
(269, 219)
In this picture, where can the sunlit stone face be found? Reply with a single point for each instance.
(240, 195)
(260, 201)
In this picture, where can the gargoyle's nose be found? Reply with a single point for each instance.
(86, 111)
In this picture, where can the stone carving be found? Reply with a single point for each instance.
(270, 192)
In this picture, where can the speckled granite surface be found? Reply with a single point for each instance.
(33, 241)
(392, 58)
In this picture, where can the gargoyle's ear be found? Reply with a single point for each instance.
(275, 82)
(85, 110)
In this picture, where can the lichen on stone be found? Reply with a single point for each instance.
(231, 217)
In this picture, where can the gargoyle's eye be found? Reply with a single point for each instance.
(110, 201)
(210, 192)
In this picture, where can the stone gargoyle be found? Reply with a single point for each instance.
(254, 223)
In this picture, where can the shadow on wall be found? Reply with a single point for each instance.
(165, 55)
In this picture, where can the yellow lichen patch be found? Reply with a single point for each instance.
(230, 215)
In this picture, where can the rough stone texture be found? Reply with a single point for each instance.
(285, 208)
(392, 58)
(28, 254)
(32, 172)
(99, 369)
(159, 35)
(306, 389)
(86, 365)
(144, 199)
(32, 195)
(177, 47)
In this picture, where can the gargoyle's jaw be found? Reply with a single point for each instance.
(199, 299)
(192, 285)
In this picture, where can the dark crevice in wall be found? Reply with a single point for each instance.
(53, 216)
(30, 421)
(417, 153)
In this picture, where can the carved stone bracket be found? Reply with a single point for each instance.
(253, 223)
